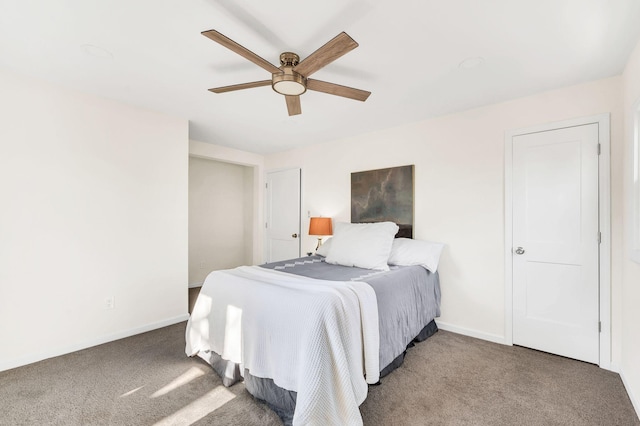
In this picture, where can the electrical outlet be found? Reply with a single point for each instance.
(109, 302)
(202, 265)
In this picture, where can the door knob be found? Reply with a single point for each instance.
(294, 235)
(519, 250)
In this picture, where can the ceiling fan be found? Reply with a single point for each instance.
(291, 79)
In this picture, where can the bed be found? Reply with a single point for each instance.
(309, 335)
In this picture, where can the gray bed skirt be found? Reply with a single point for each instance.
(282, 401)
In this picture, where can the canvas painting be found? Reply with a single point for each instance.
(384, 195)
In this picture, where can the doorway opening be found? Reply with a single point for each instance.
(221, 217)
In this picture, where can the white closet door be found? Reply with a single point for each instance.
(555, 242)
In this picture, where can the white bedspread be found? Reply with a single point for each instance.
(317, 338)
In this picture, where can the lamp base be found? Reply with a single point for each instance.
(319, 243)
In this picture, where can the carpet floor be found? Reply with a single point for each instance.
(448, 380)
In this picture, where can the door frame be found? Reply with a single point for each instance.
(265, 205)
(604, 220)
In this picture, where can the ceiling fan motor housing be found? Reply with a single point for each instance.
(289, 82)
(289, 59)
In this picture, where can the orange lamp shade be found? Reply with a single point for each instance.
(320, 226)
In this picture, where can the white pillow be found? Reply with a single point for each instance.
(323, 250)
(365, 245)
(408, 252)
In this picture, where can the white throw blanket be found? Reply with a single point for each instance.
(317, 338)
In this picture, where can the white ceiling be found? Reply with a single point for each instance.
(150, 53)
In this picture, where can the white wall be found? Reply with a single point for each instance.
(250, 216)
(459, 190)
(93, 198)
(220, 217)
(256, 163)
(630, 366)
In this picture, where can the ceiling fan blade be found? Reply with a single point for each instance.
(240, 50)
(332, 50)
(240, 86)
(336, 89)
(293, 105)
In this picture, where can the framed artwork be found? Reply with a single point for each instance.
(384, 195)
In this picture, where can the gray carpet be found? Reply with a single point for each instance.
(447, 380)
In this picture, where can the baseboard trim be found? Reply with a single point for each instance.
(30, 359)
(634, 401)
(471, 333)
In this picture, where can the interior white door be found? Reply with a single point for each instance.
(282, 215)
(556, 242)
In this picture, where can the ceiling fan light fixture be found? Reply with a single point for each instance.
(289, 83)
(289, 88)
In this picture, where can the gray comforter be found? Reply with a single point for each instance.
(408, 297)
